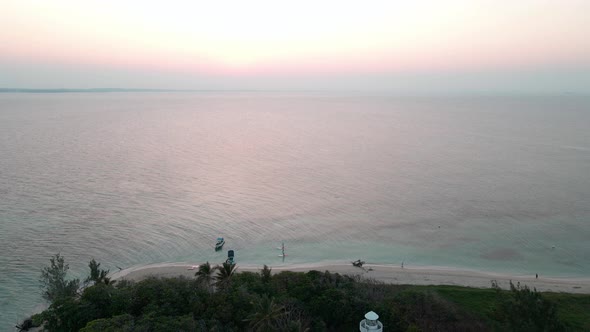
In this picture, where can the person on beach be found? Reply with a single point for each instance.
(536, 276)
(402, 264)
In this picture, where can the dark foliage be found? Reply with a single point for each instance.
(53, 280)
(288, 301)
(25, 325)
(526, 310)
(97, 275)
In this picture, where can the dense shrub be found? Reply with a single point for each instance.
(525, 309)
(288, 301)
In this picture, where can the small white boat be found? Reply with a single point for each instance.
(219, 244)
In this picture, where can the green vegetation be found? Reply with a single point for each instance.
(53, 280)
(527, 310)
(205, 276)
(97, 275)
(225, 275)
(288, 301)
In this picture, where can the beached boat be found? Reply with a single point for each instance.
(219, 244)
(359, 263)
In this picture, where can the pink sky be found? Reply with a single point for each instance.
(261, 39)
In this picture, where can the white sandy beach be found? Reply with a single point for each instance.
(386, 273)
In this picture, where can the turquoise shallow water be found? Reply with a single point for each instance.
(483, 183)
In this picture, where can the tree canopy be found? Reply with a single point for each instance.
(288, 301)
(53, 280)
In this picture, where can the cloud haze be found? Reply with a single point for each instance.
(419, 46)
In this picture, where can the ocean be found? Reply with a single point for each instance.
(499, 184)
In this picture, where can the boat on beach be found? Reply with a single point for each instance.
(359, 263)
(219, 244)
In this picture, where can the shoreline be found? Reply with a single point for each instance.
(386, 273)
(390, 274)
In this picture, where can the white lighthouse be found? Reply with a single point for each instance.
(371, 323)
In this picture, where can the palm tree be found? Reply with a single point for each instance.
(265, 274)
(205, 275)
(97, 275)
(267, 315)
(224, 275)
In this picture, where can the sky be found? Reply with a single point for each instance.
(415, 46)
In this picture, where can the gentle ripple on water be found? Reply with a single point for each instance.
(132, 179)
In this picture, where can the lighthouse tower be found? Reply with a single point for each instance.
(371, 323)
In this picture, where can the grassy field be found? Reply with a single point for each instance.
(572, 309)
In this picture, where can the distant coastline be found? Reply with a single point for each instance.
(471, 94)
(102, 90)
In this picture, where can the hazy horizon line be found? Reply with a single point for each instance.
(355, 91)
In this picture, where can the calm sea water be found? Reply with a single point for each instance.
(495, 184)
